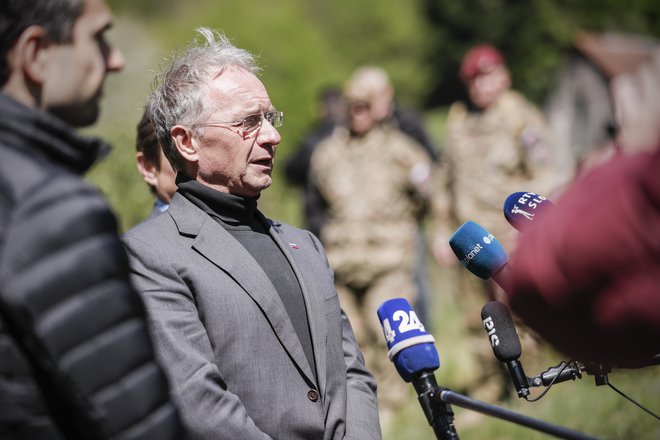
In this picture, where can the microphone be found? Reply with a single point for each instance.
(520, 208)
(415, 357)
(505, 342)
(410, 347)
(481, 253)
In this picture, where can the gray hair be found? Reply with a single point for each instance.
(178, 97)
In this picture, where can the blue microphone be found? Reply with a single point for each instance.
(410, 347)
(520, 208)
(413, 353)
(480, 252)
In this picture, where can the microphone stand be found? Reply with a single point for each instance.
(438, 412)
(436, 400)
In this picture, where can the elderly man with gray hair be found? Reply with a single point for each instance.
(244, 310)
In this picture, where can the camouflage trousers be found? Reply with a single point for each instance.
(360, 305)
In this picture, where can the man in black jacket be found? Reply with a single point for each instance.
(76, 359)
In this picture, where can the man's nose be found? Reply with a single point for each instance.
(269, 134)
(115, 60)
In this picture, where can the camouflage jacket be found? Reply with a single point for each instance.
(376, 188)
(491, 154)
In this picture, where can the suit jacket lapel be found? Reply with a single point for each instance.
(217, 245)
(314, 305)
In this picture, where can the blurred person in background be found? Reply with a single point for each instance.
(376, 184)
(496, 144)
(332, 112)
(153, 166)
(244, 310)
(76, 359)
(387, 112)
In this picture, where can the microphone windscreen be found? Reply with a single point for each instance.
(411, 348)
(520, 208)
(478, 250)
(501, 331)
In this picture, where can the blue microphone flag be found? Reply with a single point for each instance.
(411, 348)
(520, 208)
(478, 250)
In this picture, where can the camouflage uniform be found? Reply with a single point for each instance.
(490, 154)
(374, 210)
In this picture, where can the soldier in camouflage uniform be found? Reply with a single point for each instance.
(375, 181)
(496, 145)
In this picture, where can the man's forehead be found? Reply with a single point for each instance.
(96, 16)
(238, 88)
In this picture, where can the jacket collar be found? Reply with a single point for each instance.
(44, 134)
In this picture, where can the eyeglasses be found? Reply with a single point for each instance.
(251, 122)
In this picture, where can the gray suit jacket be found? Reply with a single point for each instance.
(236, 365)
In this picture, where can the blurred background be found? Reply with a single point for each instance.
(305, 45)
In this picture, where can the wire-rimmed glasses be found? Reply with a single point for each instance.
(250, 122)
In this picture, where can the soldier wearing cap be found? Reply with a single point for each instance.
(496, 144)
(376, 183)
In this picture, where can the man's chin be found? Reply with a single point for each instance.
(265, 182)
(77, 116)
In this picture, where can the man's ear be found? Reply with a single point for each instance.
(184, 142)
(28, 61)
(148, 170)
(30, 54)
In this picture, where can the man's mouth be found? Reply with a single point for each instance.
(266, 162)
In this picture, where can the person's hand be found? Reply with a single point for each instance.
(420, 177)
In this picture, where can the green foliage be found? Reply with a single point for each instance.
(534, 36)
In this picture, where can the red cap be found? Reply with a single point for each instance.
(480, 59)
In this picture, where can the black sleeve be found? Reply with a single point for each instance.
(66, 300)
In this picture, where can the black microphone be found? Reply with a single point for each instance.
(413, 353)
(505, 342)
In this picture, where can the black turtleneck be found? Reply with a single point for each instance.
(240, 217)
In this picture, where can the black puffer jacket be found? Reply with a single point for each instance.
(73, 332)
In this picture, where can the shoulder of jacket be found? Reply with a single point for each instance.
(155, 229)
(457, 109)
(329, 145)
(514, 99)
(408, 146)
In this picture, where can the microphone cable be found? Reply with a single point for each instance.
(631, 400)
(621, 393)
(552, 382)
